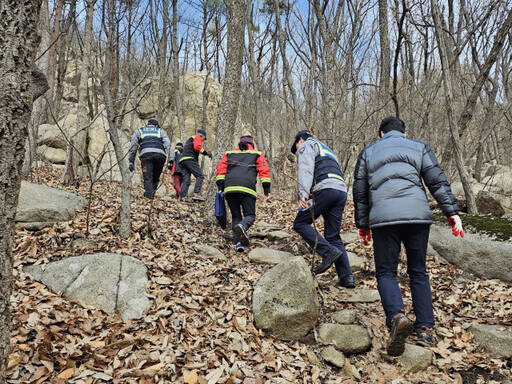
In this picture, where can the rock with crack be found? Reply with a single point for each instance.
(495, 339)
(268, 256)
(284, 300)
(41, 204)
(416, 358)
(107, 281)
(474, 253)
(347, 338)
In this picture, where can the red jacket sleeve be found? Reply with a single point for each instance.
(263, 173)
(222, 169)
(198, 144)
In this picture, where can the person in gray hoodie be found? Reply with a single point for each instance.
(322, 192)
(391, 202)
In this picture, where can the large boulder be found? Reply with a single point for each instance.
(495, 339)
(474, 253)
(51, 154)
(39, 203)
(50, 135)
(488, 204)
(284, 300)
(107, 281)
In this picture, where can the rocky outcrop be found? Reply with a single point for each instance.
(107, 281)
(284, 300)
(477, 254)
(488, 204)
(38, 203)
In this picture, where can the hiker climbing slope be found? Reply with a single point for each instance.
(189, 164)
(237, 174)
(390, 200)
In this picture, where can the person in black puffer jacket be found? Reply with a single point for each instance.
(390, 200)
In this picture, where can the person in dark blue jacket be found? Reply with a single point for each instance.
(390, 200)
(153, 145)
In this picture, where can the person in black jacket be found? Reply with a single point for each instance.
(153, 145)
(189, 163)
(237, 173)
(390, 200)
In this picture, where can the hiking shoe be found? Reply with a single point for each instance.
(197, 197)
(239, 247)
(328, 260)
(401, 327)
(347, 281)
(425, 337)
(242, 233)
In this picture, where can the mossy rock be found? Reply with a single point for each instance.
(497, 227)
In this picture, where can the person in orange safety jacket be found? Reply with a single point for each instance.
(237, 174)
(189, 163)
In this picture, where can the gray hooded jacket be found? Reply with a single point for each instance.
(388, 187)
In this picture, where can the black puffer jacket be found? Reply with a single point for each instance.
(388, 186)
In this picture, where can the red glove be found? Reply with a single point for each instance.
(365, 235)
(456, 224)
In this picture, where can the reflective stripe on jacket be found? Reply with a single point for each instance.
(150, 139)
(239, 170)
(192, 148)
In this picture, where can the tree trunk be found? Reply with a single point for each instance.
(454, 129)
(18, 89)
(178, 101)
(78, 134)
(113, 121)
(162, 62)
(232, 84)
(385, 52)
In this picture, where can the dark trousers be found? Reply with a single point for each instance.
(176, 182)
(386, 246)
(152, 165)
(238, 203)
(330, 204)
(191, 167)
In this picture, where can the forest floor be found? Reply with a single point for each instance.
(199, 327)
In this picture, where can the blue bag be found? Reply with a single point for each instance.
(220, 209)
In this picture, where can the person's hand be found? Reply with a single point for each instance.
(303, 203)
(365, 235)
(456, 224)
(131, 167)
(170, 164)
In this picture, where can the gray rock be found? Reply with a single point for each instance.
(347, 316)
(277, 235)
(83, 244)
(347, 338)
(39, 203)
(495, 339)
(489, 204)
(360, 296)
(35, 226)
(349, 237)
(477, 254)
(416, 358)
(355, 261)
(333, 356)
(351, 371)
(284, 300)
(313, 358)
(209, 251)
(268, 256)
(107, 281)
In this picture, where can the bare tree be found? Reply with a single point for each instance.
(20, 85)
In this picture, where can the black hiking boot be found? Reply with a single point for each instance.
(347, 281)
(328, 260)
(401, 327)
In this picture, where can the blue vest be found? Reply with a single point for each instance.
(326, 164)
(151, 137)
